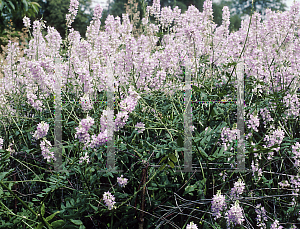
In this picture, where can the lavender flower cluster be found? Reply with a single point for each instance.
(253, 122)
(235, 215)
(275, 137)
(73, 9)
(261, 218)
(228, 135)
(218, 204)
(82, 131)
(109, 200)
(140, 127)
(238, 189)
(47, 154)
(42, 130)
(127, 106)
(219, 207)
(122, 181)
(40, 133)
(84, 158)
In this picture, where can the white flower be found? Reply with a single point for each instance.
(26, 22)
(122, 181)
(275, 225)
(85, 158)
(191, 226)
(109, 200)
(140, 127)
(42, 130)
(45, 147)
(238, 188)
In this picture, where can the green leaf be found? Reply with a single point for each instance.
(152, 188)
(95, 208)
(43, 209)
(202, 152)
(40, 226)
(76, 222)
(164, 158)
(173, 157)
(12, 5)
(2, 175)
(68, 205)
(57, 223)
(25, 4)
(171, 164)
(51, 216)
(35, 6)
(189, 189)
(162, 167)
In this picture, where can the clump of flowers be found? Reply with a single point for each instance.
(45, 147)
(128, 104)
(82, 131)
(121, 119)
(218, 204)
(122, 181)
(106, 117)
(255, 168)
(238, 188)
(235, 214)
(261, 216)
(109, 200)
(26, 22)
(42, 130)
(86, 103)
(73, 9)
(100, 139)
(84, 158)
(191, 226)
(276, 137)
(140, 127)
(275, 225)
(227, 136)
(97, 12)
(296, 153)
(253, 122)
(265, 113)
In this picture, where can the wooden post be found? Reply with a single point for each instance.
(188, 119)
(57, 113)
(240, 118)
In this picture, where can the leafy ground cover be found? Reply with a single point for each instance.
(149, 74)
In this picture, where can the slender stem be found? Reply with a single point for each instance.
(112, 219)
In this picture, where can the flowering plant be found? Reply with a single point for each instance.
(118, 104)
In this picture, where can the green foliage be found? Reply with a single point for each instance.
(15, 10)
(54, 12)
